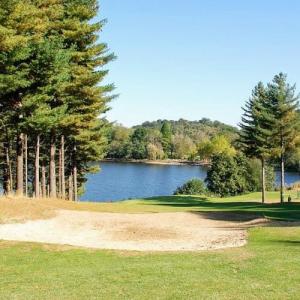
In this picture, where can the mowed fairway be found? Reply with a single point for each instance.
(268, 267)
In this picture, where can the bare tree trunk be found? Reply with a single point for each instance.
(71, 196)
(26, 163)
(6, 171)
(20, 166)
(9, 162)
(7, 174)
(75, 174)
(263, 180)
(52, 174)
(282, 180)
(63, 182)
(37, 168)
(59, 174)
(44, 186)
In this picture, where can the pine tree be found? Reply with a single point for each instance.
(17, 31)
(43, 106)
(256, 129)
(285, 122)
(86, 99)
(51, 65)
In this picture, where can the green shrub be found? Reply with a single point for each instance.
(192, 187)
(235, 175)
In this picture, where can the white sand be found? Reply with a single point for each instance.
(140, 232)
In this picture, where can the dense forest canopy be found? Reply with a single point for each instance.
(181, 139)
(52, 96)
(167, 139)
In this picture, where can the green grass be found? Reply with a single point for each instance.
(243, 205)
(267, 268)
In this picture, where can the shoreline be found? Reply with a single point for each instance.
(171, 162)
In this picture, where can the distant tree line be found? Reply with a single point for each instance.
(164, 139)
(51, 64)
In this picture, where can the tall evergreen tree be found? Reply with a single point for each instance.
(86, 98)
(18, 31)
(256, 129)
(51, 67)
(283, 105)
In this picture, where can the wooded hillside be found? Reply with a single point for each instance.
(166, 139)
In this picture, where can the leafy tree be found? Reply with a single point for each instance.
(139, 144)
(217, 145)
(118, 142)
(229, 175)
(155, 151)
(166, 132)
(183, 147)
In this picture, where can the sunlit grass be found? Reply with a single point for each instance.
(267, 268)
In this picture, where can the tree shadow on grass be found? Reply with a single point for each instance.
(231, 211)
(286, 242)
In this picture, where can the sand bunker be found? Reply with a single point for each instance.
(139, 232)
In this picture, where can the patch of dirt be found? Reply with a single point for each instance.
(180, 231)
(14, 210)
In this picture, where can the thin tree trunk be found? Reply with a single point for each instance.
(282, 180)
(6, 171)
(44, 187)
(263, 180)
(7, 180)
(11, 176)
(20, 166)
(75, 183)
(26, 163)
(71, 196)
(75, 174)
(37, 168)
(59, 174)
(52, 174)
(40, 189)
(63, 182)
(9, 162)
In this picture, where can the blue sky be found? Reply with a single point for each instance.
(193, 59)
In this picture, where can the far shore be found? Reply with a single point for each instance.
(174, 162)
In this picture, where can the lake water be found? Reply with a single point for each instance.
(118, 181)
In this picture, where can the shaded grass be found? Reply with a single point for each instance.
(267, 268)
(243, 205)
(18, 210)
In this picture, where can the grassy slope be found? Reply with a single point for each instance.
(267, 268)
(22, 209)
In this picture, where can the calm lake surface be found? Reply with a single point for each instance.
(118, 181)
